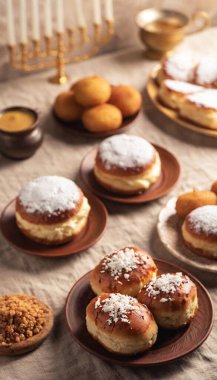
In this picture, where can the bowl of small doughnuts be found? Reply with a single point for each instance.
(93, 107)
(129, 303)
(185, 89)
(188, 227)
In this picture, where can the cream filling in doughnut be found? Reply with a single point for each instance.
(133, 182)
(123, 345)
(205, 117)
(57, 231)
(199, 243)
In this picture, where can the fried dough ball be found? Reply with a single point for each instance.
(189, 201)
(91, 91)
(102, 118)
(127, 99)
(66, 108)
(214, 187)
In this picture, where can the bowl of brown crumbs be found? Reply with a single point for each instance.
(25, 322)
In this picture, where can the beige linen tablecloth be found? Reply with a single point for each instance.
(61, 153)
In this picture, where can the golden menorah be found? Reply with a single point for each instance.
(57, 51)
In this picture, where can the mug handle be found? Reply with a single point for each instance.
(200, 15)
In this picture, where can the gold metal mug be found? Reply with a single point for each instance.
(161, 30)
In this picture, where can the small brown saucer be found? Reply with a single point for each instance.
(170, 345)
(96, 225)
(78, 128)
(169, 177)
(32, 343)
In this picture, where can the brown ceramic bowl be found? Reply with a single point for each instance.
(169, 176)
(21, 144)
(78, 128)
(32, 343)
(94, 229)
(170, 345)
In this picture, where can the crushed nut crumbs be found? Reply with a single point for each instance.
(21, 317)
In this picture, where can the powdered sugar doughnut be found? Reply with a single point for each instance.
(124, 271)
(173, 92)
(51, 209)
(121, 324)
(206, 72)
(172, 298)
(199, 231)
(201, 108)
(127, 164)
(178, 66)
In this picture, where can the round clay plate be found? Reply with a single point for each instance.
(170, 345)
(95, 227)
(153, 89)
(169, 230)
(78, 128)
(169, 176)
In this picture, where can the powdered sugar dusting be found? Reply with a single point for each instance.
(206, 98)
(126, 151)
(168, 284)
(207, 70)
(204, 220)
(180, 66)
(49, 194)
(183, 87)
(123, 262)
(118, 307)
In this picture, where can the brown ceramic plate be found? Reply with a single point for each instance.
(169, 230)
(95, 227)
(153, 89)
(78, 128)
(169, 177)
(170, 345)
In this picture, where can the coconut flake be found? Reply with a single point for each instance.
(168, 284)
(206, 98)
(49, 194)
(126, 151)
(123, 262)
(118, 307)
(207, 70)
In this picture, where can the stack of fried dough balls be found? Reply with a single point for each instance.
(100, 106)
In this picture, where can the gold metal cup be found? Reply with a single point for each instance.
(161, 30)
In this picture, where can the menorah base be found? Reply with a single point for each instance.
(59, 79)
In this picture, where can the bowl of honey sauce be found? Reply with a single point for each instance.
(20, 135)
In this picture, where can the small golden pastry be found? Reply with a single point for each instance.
(172, 299)
(121, 324)
(206, 72)
(124, 271)
(201, 108)
(127, 164)
(189, 201)
(127, 99)
(103, 118)
(51, 210)
(214, 187)
(92, 91)
(66, 108)
(25, 322)
(199, 231)
(173, 92)
(178, 66)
